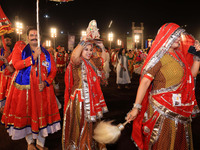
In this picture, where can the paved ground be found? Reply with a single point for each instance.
(119, 103)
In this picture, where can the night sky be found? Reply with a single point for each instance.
(72, 17)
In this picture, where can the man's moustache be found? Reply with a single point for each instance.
(33, 39)
(8, 45)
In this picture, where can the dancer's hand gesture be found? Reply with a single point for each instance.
(132, 114)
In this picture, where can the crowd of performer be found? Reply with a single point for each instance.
(30, 108)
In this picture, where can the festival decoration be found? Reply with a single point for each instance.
(5, 24)
(92, 31)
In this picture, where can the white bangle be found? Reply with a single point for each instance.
(138, 106)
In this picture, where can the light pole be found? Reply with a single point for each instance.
(54, 35)
(48, 43)
(110, 38)
(119, 42)
(19, 27)
(137, 39)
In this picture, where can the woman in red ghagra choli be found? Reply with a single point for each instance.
(84, 100)
(29, 112)
(165, 100)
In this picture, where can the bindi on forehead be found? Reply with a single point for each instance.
(34, 32)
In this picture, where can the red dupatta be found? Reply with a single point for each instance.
(94, 103)
(166, 36)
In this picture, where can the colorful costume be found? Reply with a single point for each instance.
(5, 24)
(61, 60)
(84, 104)
(28, 110)
(138, 58)
(165, 119)
(3, 81)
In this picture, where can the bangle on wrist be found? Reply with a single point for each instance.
(138, 106)
(82, 43)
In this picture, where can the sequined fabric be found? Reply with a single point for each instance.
(172, 97)
(76, 71)
(77, 132)
(169, 134)
(84, 105)
(167, 72)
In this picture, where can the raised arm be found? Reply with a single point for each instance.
(76, 54)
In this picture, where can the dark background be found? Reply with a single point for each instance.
(72, 17)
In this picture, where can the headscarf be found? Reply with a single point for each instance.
(166, 36)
